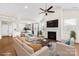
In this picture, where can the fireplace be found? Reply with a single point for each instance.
(52, 35)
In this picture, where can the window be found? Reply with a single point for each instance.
(69, 22)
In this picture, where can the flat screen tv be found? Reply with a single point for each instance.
(52, 23)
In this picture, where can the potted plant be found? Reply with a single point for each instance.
(73, 35)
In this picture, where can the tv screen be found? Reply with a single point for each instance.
(52, 23)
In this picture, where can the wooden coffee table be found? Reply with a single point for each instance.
(44, 42)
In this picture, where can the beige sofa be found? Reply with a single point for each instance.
(64, 50)
(23, 49)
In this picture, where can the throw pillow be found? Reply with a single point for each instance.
(67, 42)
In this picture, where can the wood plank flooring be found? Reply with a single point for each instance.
(76, 49)
(6, 46)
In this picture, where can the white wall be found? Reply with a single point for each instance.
(0, 30)
(71, 14)
(63, 31)
(59, 14)
(53, 16)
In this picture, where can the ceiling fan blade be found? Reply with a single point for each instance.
(42, 9)
(41, 12)
(49, 8)
(51, 11)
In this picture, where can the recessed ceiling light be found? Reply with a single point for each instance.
(25, 7)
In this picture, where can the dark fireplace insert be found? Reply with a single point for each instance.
(52, 35)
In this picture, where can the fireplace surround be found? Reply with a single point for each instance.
(52, 35)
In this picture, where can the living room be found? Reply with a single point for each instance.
(45, 27)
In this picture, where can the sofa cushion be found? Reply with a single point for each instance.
(35, 47)
(64, 50)
(19, 42)
(25, 46)
(19, 48)
(24, 40)
(28, 48)
(44, 51)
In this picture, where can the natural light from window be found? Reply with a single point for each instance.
(69, 22)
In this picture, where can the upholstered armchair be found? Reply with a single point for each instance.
(64, 50)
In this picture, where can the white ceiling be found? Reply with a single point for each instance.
(67, 5)
(17, 9)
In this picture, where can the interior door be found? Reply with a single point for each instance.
(5, 31)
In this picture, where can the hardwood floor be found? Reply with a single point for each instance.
(76, 49)
(6, 46)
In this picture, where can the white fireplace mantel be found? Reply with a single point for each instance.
(53, 30)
